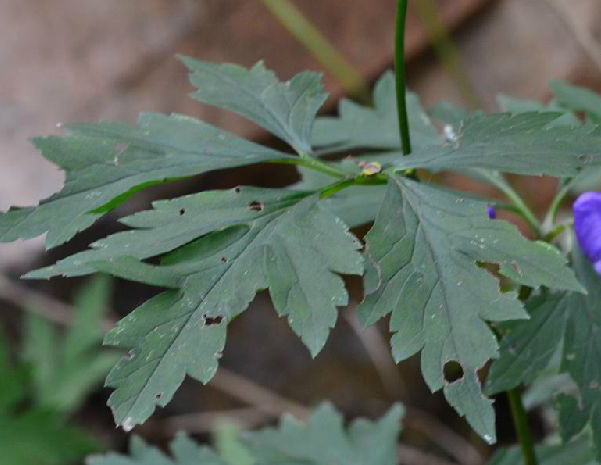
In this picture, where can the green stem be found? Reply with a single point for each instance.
(286, 12)
(564, 190)
(499, 181)
(400, 77)
(360, 180)
(314, 164)
(522, 429)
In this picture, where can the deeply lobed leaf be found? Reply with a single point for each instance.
(525, 143)
(358, 126)
(285, 109)
(294, 252)
(421, 255)
(323, 440)
(107, 162)
(570, 321)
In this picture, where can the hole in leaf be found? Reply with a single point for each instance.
(237, 189)
(182, 211)
(212, 320)
(452, 371)
(159, 395)
(256, 206)
(223, 260)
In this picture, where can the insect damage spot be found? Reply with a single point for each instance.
(452, 371)
(212, 320)
(182, 211)
(237, 189)
(256, 206)
(223, 260)
(159, 395)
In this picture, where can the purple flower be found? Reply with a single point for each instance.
(492, 213)
(587, 225)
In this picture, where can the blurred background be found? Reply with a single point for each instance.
(90, 60)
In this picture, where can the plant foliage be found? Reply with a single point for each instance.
(433, 257)
(36, 396)
(323, 440)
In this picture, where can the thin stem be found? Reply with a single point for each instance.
(564, 190)
(360, 180)
(523, 209)
(314, 164)
(400, 77)
(286, 12)
(522, 429)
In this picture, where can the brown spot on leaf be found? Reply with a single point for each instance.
(256, 206)
(212, 320)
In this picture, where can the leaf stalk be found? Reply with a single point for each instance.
(291, 18)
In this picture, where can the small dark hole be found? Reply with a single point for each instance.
(237, 189)
(158, 395)
(223, 260)
(182, 211)
(452, 371)
(212, 320)
(256, 206)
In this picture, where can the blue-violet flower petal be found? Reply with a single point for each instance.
(587, 225)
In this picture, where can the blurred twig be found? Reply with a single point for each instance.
(34, 301)
(585, 39)
(256, 395)
(378, 351)
(286, 12)
(447, 51)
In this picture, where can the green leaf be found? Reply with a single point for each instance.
(174, 223)
(226, 439)
(33, 435)
(377, 128)
(39, 437)
(582, 356)
(421, 256)
(322, 441)
(184, 450)
(574, 453)
(13, 380)
(106, 163)
(64, 372)
(325, 441)
(528, 347)
(286, 109)
(525, 143)
(577, 98)
(295, 252)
